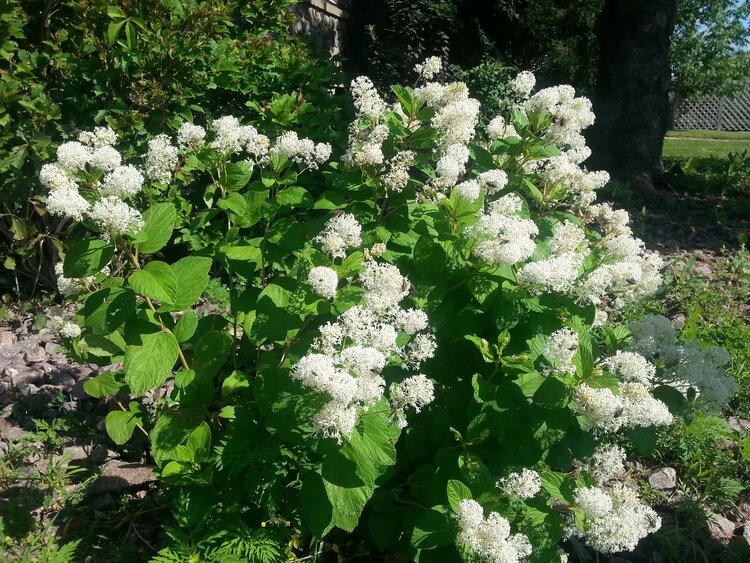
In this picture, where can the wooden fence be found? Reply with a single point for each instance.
(719, 113)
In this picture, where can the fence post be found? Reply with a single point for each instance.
(720, 115)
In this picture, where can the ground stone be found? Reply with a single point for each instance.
(7, 339)
(36, 354)
(663, 479)
(120, 475)
(721, 528)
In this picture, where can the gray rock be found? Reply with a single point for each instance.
(10, 432)
(36, 354)
(663, 479)
(738, 424)
(63, 380)
(721, 528)
(7, 339)
(100, 453)
(52, 348)
(120, 475)
(26, 378)
(744, 508)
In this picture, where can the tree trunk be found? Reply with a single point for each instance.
(631, 101)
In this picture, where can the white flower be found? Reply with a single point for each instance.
(324, 281)
(607, 462)
(335, 420)
(123, 182)
(115, 216)
(490, 538)
(524, 484)
(456, 121)
(99, 137)
(366, 98)
(54, 177)
(429, 68)
(451, 165)
(493, 180)
(421, 348)
(601, 407)
(73, 156)
(105, 158)
(557, 273)
(415, 392)
(411, 321)
(641, 409)
(593, 501)
(67, 202)
(568, 237)
(468, 190)
(70, 330)
(560, 349)
(631, 367)
(161, 159)
(496, 128)
(340, 233)
(190, 137)
(301, 151)
(398, 176)
(524, 83)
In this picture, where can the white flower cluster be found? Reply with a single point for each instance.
(73, 286)
(616, 519)
(161, 159)
(498, 129)
(300, 151)
(429, 68)
(190, 137)
(633, 406)
(606, 463)
(366, 133)
(685, 364)
(66, 329)
(502, 236)
(341, 233)
(524, 83)
(350, 353)
(560, 349)
(397, 176)
(631, 366)
(490, 538)
(77, 161)
(524, 484)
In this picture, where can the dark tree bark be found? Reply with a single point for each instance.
(631, 101)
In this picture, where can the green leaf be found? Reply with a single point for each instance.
(236, 381)
(103, 385)
(434, 528)
(457, 492)
(172, 429)
(104, 311)
(197, 446)
(120, 426)
(158, 223)
(184, 377)
(211, 352)
(156, 281)
(236, 175)
(644, 439)
(191, 277)
(113, 30)
(295, 197)
(147, 366)
(234, 203)
(317, 512)
(186, 325)
(330, 200)
(558, 485)
(87, 257)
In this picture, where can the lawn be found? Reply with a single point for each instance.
(704, 144)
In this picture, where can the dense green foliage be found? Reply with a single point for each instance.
(140, 67)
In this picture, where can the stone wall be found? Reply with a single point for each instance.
(324, 21)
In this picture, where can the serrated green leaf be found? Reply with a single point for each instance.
(147, 366)
(191, 276)
(457, 492)
(186, 325)
(120, 426)
(87, 257)
(434, 528)
(103, 385)
(156, 281)
(158, 223)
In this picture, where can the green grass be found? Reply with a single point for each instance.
(708, 148)
(709, 134)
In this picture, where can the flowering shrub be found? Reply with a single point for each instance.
(417, 345)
